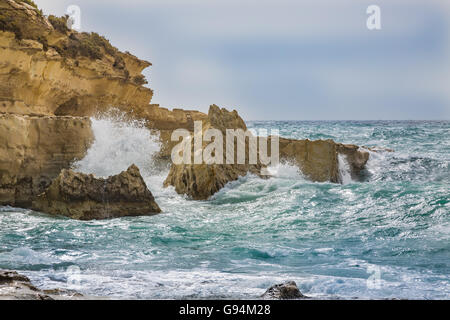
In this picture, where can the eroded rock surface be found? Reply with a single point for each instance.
(50, 71)
(33, 150)
(317, 160)
(355, 156)
(200, 181)
(14, 286)
(85, 197)
(284, 291)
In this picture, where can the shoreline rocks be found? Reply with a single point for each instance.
(85, 197)
(14, 286)
(318, 159)
(284, 291)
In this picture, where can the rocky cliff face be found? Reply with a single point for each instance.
(51, 80)
(33, 150)
(55, 71)
(46, 69)
(84, 197)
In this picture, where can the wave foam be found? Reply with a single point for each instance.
(344, 169)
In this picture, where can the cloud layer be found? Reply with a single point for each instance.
(285, 59)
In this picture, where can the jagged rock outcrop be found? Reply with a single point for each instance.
(200, 181)
(284, 291)
(85, 197)
(14, 286)
(317, 160)
(33, 150)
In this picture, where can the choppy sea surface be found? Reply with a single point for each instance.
(387, 236)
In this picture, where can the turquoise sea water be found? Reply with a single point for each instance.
(387, 236)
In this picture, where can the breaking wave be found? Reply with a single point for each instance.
(119, 142)
(256, 232)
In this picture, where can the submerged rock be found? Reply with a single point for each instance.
(14, 286)
(284, 291)
(85, 197)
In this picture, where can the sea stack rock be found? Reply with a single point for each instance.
(284, 291)
(318, 159)
(85, 197)
(201, 181)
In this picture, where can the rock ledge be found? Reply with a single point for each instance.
(85, 197)
(14, 286)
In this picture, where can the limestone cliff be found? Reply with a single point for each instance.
(33, 150)
(48, 69)
(51, 80)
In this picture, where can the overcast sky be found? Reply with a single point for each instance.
(285, 59)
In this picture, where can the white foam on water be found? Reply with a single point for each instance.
(344, 169)
(285, 171)
(377, 161)
(118, 144)
(26, 256)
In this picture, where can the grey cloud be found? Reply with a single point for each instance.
(285, 59)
